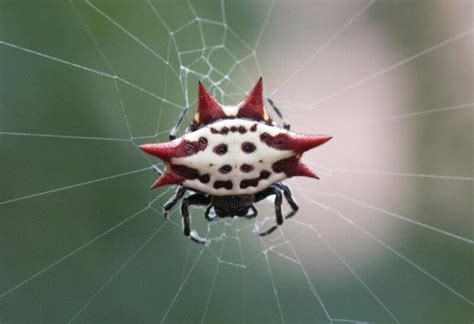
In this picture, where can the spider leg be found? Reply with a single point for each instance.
(289, 198)
(174, 130)
(254, 212)
(278, 201)
(207, 212)
(173, 200)
(197, 200)
(278, 112)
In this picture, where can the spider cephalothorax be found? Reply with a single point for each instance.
(232, 157)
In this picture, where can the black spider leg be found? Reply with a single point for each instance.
(289, 198)
(206, 214)
(173, 200)
(286, 125)
(254, 212)
(272, 190)
(174, 130)
(197, 200)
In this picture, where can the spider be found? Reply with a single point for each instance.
(231, 157)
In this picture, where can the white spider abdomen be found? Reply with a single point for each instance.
(236, 159)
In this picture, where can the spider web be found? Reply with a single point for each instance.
(385, 236)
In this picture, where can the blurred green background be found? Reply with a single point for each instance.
(385, 236)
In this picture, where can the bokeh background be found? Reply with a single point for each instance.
(384, 236)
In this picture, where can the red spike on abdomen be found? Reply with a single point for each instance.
(163, 151)
(168, 178)
(292, 167)
(252, 107)
(303, 143)
(209, 110)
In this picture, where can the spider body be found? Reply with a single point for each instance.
(230, 206)
(232, 157)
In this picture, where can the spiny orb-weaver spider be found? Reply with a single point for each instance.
(232, 157)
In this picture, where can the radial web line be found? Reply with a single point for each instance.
(198, 20)
(80, 248)
(75, 137)
(65, 257)
(396, 174)
(211, 289)
(185, 265)
(311, 287)
(284, 256)
(129, 34)
(324, 46)
(344, 320)
(405, 174)
(116, 273)
(395, 252)
(262, 28)
(72, 186)
(82, 67)
(189, 23)
(244, 280)
(88, 69)
(151, 94)
(224, 20)
(178, 292)
(384, 211)
(308, 280)
(165, 90)
(172, 39)
(390, 68)
(348, 267)
(275, 291)
(407, 115)
(109, 65)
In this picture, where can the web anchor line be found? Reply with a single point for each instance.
(406, 219)
(392, 250)
(117, 273)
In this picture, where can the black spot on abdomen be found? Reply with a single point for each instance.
(249, 183)
(190, 173)
(202, 143)
(254, 181)
(225, 130)
(265, 174)
(205, 178)
(223, 184)
(220, 149)
(248, 147)
(246, 168)
(225, 169)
